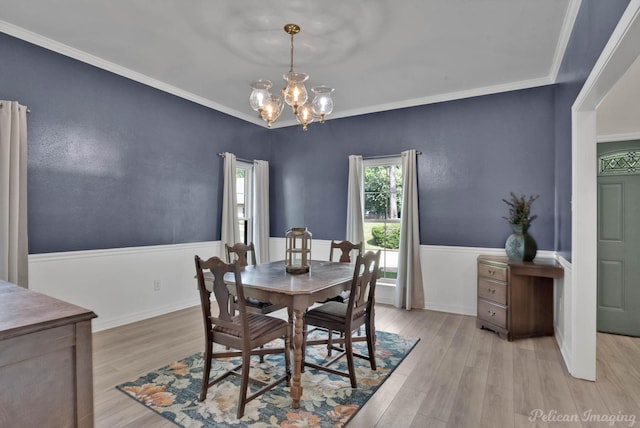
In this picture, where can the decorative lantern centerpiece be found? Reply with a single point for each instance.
(298, 254)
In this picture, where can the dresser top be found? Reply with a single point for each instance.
(25, 311)
(539, 266)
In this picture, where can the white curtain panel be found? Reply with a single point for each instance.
(229, 229)
(261, 210)
(14, 247)
(355, 201)
(409, 292)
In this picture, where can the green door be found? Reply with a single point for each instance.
(619, 238)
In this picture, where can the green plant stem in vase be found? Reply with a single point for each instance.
(520, 245)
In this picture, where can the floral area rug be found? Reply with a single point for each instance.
(327, 401)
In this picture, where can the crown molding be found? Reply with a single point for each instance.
(449, 96)
(87, 58)
(98, 62)
(565, 36)
(415, 102)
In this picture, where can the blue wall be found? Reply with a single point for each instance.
(114, 163)
(594, 25)
(474, 152)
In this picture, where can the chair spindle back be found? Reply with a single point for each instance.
(241, 252)
(363, 287)
(345, 247)
(218, 269)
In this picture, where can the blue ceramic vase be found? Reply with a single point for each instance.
(520, 245)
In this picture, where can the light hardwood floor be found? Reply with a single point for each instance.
(457, 375)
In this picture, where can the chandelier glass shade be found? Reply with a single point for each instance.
(269, 106)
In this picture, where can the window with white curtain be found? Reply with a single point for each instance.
(382, 204)
(244, 191)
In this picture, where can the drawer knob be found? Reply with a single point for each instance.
(491, 290)
(491, 313)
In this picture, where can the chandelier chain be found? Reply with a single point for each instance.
(291, 65)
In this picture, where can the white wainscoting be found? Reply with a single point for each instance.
(449, 277)
(563, 313)
(118, 284)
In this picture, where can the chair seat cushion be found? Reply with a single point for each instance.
(257, 303)
(331, 311)
(259, 325)
(342, 297)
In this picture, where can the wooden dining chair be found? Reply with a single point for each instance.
(245, 333)
(240, 253)
(345, 317)
(345, 247)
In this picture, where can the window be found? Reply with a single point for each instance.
(382, 204)
(244, 180)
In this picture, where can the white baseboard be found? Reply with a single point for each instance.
(116, 321)
(453, 309)
(565, 351)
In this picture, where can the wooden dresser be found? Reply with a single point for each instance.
(515, 299)
(46, 373)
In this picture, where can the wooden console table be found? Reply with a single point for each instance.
(45, 361)
(515, 299)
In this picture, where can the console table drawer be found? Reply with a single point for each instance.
(493, 272)
(492, 290)
(495, 314)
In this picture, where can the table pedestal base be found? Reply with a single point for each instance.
(296, 387)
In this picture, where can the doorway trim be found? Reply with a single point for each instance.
(621, 51)
(618, 137)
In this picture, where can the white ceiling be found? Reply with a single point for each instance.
(618, 113)
(378, 55)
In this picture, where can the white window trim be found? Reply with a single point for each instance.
(382, 161)
(248, 197)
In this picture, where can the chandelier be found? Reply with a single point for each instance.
(269, 106)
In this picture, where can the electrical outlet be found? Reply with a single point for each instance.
(156, 285)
